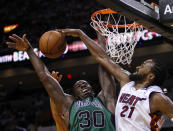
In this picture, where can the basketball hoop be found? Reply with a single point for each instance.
(122, 37)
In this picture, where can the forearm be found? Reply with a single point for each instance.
(52, 87)
(38, 65)
(101, 40)
(108, 92)
(107, 82)
(102, 58)
(95, 49)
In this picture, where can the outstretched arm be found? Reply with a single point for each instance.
(57, 94)
(100, 55)
(58, 117)
(107, 82)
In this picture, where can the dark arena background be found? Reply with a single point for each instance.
(24, 103)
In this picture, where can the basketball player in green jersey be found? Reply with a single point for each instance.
(94, 113)
(82, 112)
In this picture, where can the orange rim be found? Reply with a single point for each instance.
(109, 11)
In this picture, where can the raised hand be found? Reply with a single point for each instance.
(55, 75)
(21, 44)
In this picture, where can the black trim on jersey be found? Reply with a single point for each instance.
(112, 115)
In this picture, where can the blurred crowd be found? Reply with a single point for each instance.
(27, 114)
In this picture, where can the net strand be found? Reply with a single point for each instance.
(121, 42)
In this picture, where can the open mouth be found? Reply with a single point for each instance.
(85, 92)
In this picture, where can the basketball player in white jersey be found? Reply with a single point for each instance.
(140, 98)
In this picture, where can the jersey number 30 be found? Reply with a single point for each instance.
(98, 119)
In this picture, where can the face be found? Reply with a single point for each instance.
(82, 89)
(142, 71)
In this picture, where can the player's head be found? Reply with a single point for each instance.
(151, 71)
(82, 89)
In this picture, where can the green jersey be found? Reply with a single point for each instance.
(90, 115)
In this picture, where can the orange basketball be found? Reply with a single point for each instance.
(52, 44)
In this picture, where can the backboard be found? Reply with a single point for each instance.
(142, 12)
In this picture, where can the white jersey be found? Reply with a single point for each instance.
(132, 109)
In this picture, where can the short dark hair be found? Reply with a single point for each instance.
(160, 71)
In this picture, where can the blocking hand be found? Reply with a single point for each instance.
(21, 44)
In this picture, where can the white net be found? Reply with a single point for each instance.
(121, 37)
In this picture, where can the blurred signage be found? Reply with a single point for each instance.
(166, 12)
(19, 56)
(9, 28)
(146, 35)
(77, 46)
(74, 47)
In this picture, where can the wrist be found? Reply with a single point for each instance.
(79, 32)
(29, 48)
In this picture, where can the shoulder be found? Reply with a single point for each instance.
(67, 102)
(69, 99)
(158, 101)
(128, 85)
(162, 103)
(155, 88)
(157, 97)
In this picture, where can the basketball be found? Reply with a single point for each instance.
(52, 44)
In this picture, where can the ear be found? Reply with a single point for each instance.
(151, 76)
